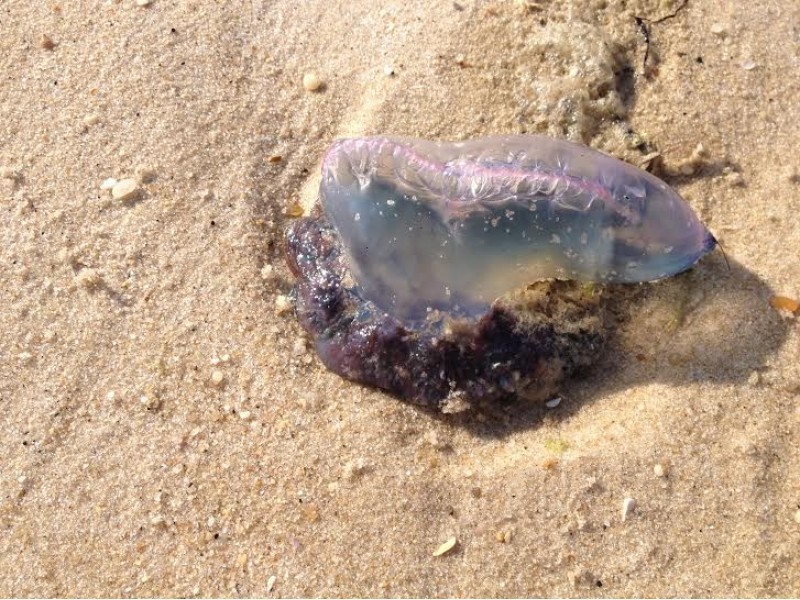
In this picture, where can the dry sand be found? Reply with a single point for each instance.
(165, 432)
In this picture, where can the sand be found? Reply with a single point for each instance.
(168, 430)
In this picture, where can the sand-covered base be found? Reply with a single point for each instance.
(166, 427)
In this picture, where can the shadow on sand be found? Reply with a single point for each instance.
(709, 324)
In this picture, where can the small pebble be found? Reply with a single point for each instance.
(504, 536)
(784, 304)
(25, 357)
(90, 120)
(553, 403)
(124, 190)
(217, 377)
(718, 29)
(46, 42)
(734, 178)
(275, 159)
(267, 272)
(299, 347)
(89, 279)
(145, 174)
(446, 547)
(9, 173)
(659, 470)
(628, 506)
(158, 521)
(797, 517)
(108, 184)
(150, 401)
(283, 304)
(749, 65)
(388, 70)
(271, 582)
(353, 469)
(294, 210)
(142, 2)
(312, 82)
(244, 415)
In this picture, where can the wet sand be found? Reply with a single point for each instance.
(166, 427)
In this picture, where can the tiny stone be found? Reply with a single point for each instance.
(25, 357)
(754, 379)
(48, 336)
(553, 403)
(142, 2)
(267, 272)
(749, 65)
(388, 70)
(628, 506)
(22, 479)
(717, 29)
(504, 536)
(145, 174)
(244, 415)
(107, 184)
(294, 210)
(283, 304)
(299, 347)
(312, 82)
(46, 42)
(217, 378)
(90, 120)
(735, 178)
(158, 521)
(88, 279)
(274, 159)
(446, 547)
(8, 173)
(354, 468)
(659, 470)
(797, 517)
(149, 401)
(271, 582)
(127, 189)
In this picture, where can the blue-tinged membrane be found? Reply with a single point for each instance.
(452, 226)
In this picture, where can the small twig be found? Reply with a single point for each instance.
(642, 22)
(670, 16)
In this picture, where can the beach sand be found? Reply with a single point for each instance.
(166, 426)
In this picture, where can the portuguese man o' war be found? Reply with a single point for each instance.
(404, 279)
